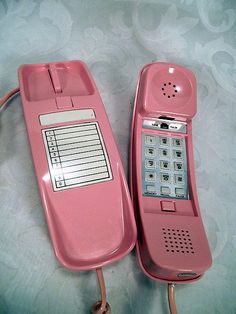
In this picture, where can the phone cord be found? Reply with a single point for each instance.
(101, 307)
(6, 97)
(171, 298)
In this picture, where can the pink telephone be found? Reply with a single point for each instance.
(78, 168)
(172, 244)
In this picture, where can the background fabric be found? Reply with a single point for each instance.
(115, 39)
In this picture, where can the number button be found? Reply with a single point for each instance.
(151, 188)
(150, 152)
(179, 179)
(149, 163)
(165, 177)
(178, 166)
(164, 140)
(164, 164)
(177, 142)
(165, 190)
(164, 152)
(150, 176)
(179, 192)
(150, 140)
(178, 154)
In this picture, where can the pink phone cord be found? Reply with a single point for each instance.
(6, 97)
(171, 298)
(101, 307)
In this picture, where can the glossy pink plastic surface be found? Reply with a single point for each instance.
(93, 225)
(156, 227)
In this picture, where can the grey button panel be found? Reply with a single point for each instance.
(164, 166)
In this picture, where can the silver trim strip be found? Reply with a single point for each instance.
(171, 126)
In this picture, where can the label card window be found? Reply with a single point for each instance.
(76, 155)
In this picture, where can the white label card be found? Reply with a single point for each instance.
(76, 155)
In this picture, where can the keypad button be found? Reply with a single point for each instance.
(179, 192)
(179, 179)
(178, 154)
(165, 190)
(178, 166)
(151, 188)
(177, 142)
(150, 164)
(164, 164)
(150, 176)
(150, 140)
(165, 177)
(164, 140)
(164, 152)
(150, 152)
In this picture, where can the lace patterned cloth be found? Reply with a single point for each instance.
(116, 38)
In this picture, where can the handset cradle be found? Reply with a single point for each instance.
(79, 172)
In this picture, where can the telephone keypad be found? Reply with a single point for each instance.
(164, 166)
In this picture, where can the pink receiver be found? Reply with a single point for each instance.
(172, 244)
(78, 168)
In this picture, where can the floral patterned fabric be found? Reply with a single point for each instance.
(116, 38)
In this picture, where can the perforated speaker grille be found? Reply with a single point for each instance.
(177, 241)
(169, 89)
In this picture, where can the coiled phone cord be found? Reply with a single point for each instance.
(171, 298)
(6, 97)
(101, 307)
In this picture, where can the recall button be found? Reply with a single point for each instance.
(168, 206)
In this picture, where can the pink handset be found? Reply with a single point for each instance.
(172, 244)
(77, 164)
